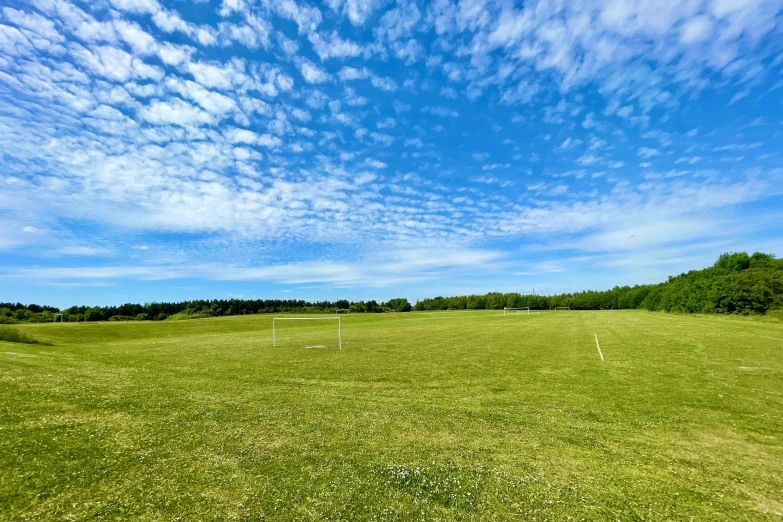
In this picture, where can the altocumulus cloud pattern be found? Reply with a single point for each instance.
(353, 145)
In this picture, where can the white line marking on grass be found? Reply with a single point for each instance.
(598, 346)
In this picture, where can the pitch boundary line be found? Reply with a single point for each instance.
(598, 346)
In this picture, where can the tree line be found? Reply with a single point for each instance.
(18, 312)
(737, 283)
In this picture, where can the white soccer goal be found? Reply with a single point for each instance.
(339, 329)
(62, 318)
(450, 309)
(524, 309)
(562, 308)
(343, 311)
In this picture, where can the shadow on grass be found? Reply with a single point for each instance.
(12, 335)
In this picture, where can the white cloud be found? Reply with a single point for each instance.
(311, 72)
(400, 107)
(301, 114)
(441, 111)
(381, 139)
(107, 113)
(399, 22)
(410, 51)
(448, 92)
(357, 11)
(205, 35)
(587, 160)
(136, 6)
(332, 46)
(387, 123)
(138, 39)
(696, 29)
(83, 251)
(230, 6)
(215, 76)
(289, 47)
(174, 111)
(170, 21)
(647, 152)
(174, 54)
(106, 61)
(39, 31)
(375, 163)
(306, 18)
(496, 166)
(350, 73)
(485, 179)
(249, 137)
(559, 190)
(254, 33)
(384, 84)
(213, 102)
(353, 99)
(390, 268)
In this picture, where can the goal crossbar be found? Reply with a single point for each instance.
(562, 308)
(339, 326)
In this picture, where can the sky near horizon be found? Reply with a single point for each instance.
(366, 149)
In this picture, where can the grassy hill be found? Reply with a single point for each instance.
(463, 415)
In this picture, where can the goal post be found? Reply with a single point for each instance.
(525, 309)
(61, 316)
(562, 308)
(338, 319)
(343, 311)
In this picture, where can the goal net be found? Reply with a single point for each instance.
(524, 310)
(307, 332)
(562, 308)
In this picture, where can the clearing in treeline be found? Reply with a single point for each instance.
(453, 415)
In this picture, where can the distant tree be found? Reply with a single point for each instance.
(399, 304)
(733, 262)
(759, 260)
(93, 314)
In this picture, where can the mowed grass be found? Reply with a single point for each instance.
(422, 416)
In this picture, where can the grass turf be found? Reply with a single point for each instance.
(436, 416)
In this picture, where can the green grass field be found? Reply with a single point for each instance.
(422, 416)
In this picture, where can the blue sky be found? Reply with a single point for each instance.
(166, 150)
